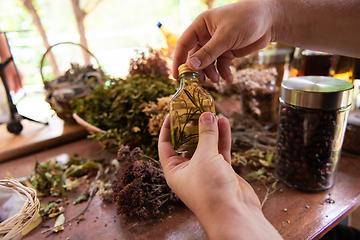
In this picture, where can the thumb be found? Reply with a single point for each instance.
(208, 134)
(208, 53)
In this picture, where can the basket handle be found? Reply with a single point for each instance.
(59, 43)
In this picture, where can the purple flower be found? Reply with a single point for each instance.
(142, 189)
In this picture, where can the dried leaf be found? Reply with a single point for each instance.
(256, 174)
(264, 163)
(70, 184)
(84, 197)
(59, 223)
(59, 211)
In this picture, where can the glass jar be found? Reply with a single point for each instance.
(316, 63)
(259, 94)
(312, 121)
(275, 58)
(295, 64)
(343, 68)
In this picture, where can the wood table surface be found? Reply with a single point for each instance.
(295, 214)
(36, 136)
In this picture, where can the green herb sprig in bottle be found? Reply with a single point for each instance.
(186, 106)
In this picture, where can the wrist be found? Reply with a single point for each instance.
(279, 28)
(237, 221)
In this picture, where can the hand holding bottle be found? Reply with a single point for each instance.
(225, 203)
(238, 29)
(222, 34)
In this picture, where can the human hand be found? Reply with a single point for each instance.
(208, 185)
(220, 35)
(208, 177)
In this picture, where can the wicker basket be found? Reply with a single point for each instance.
(63, 109)
(12, 227)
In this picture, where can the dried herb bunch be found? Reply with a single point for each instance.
(252, 145)
(157, 112)
(77, 82)
(47, 178)
(142, 189)
(257, 91)
(117, 106)
(249, 61)
(151, 63)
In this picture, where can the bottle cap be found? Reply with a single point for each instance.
(183, 68)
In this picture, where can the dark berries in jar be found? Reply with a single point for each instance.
(312, 122)
(308, 146)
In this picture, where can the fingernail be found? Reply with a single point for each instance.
(207, 118)
(195, 62)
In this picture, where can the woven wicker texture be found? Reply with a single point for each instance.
(12, 227)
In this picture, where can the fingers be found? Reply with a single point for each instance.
(208, 135)
(223, 61)
(165, 148)
(210, 48)
(260, 43)
(211, 72)
(214, 138)
(223, 66)
(208, 53)
(225, 138)
(186, 43)
(168, 157)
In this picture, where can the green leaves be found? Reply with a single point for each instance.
(256, 174)
(117, 107)
(49, 178)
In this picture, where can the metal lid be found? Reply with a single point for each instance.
(317, 92)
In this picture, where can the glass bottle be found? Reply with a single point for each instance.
(276, 58)
(171, 39)
(186, 106)
(316, 63)
(295, 64)
(344, 68)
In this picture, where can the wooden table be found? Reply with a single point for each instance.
(36, 136)
(306, 215)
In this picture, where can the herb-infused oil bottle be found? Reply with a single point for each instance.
(186, 106)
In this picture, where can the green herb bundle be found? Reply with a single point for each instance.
(117, 107)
